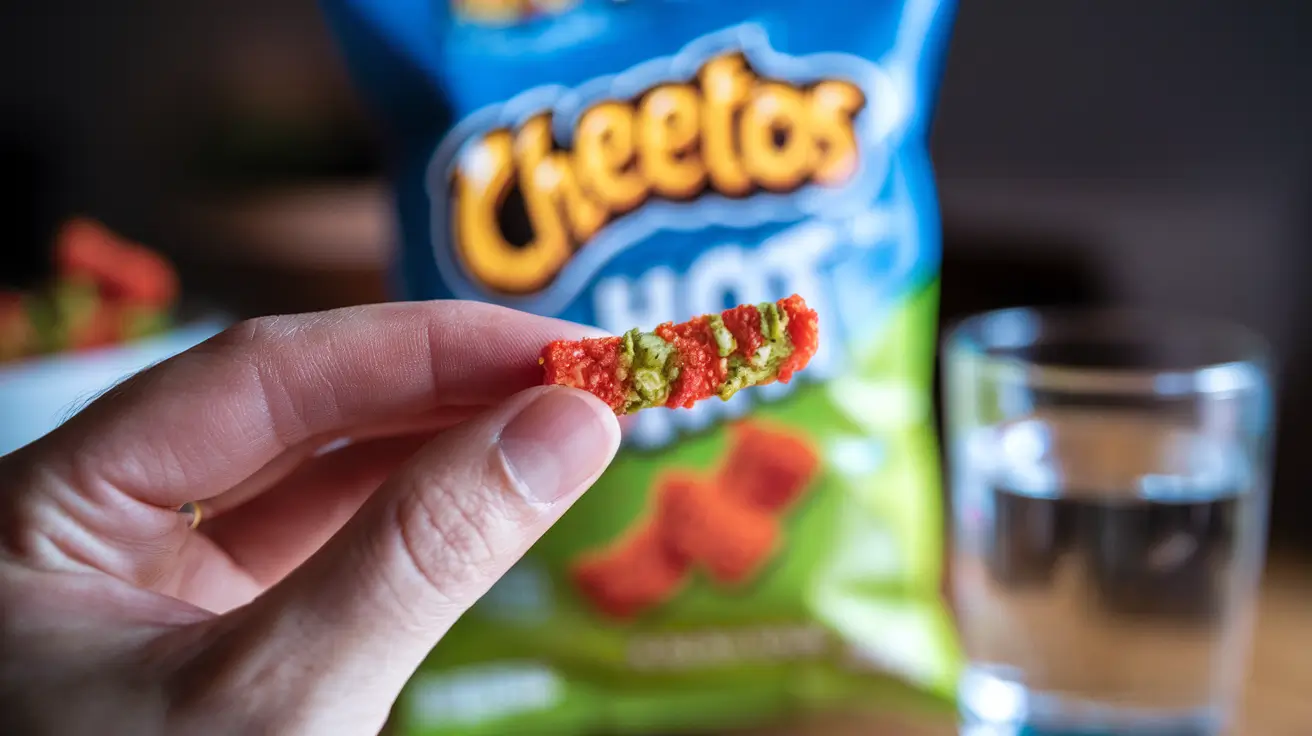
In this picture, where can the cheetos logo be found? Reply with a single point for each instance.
(521, 200)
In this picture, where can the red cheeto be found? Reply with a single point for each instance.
(726, 524)
(587, 364)
(677, 365)
(766, 468)
(636, 573)
(730, 541)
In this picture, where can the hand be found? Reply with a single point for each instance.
(317, 581)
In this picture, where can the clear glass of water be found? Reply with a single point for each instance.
(1110, 480)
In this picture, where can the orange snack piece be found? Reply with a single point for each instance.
(631, 576)
(744, 323)
(766, 469)
(728, 525)
(731, 541)
(591, 364)
(124, 271)
(804, 331)
(701, 368)
(678, 365)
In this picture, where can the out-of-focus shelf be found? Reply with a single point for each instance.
(347, 226)
(295, 249)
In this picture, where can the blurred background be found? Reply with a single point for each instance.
(226, 135)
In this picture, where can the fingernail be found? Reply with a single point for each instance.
(558, 443)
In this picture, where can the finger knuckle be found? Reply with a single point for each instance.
(450, 538)
(264, 349)
(242, 336)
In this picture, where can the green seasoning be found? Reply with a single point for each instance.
(654, 365)
(773, 321)
(724, 341)
(764, 363)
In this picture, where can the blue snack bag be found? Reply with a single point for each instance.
(624, 163)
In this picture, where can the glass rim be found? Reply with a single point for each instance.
(985, 337)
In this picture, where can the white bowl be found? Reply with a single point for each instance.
(40, 394)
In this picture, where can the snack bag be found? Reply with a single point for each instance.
(626, 164)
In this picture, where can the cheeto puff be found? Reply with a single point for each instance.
(631, 576)
(678, 365)
(731, 542)
(589, 364)
(766, 467)
(803, 332)
(701, 367)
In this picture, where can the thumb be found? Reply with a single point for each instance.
(331, 646)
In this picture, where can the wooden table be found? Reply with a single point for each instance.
(1277, 701)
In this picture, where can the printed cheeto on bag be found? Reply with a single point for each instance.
(741, 194)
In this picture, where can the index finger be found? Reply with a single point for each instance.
(201, 422)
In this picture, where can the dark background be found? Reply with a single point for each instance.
(1145, 152)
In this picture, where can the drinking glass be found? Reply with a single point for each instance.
(1109, 475)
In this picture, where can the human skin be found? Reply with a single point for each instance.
(318, 578)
